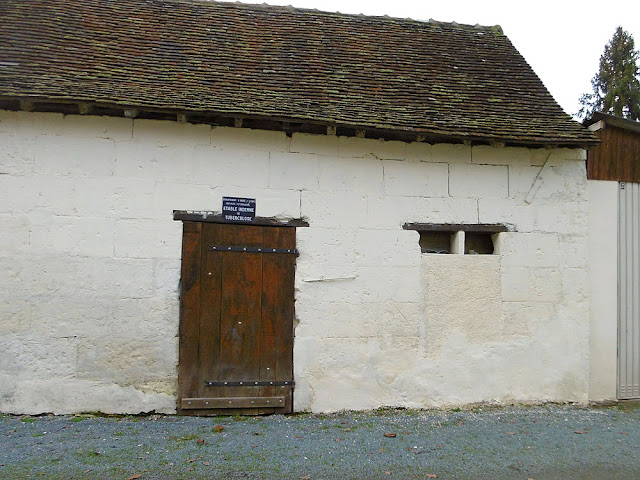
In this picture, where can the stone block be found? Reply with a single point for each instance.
(114, 197)
(15, 235)
(350, 174)
(354, 147)
(515, 213)
(30, 123)
(386, 248)
(38, 357)
(170, 196)
(524, 319)
(84, 315)
(150, 161)
(574, 250)
(15, 316)
(398, 284)
(168, 133)
(516, 284)
(522, 179)
(93, 126)
(327, 246)
(231, 168)
(575, 284)
(488, 155)
(80, 156)
(147, 239)
(293, 171)
(333, 209)
(557, 156)
(82, 236)
(392, 212)
(478, 181)
(230, 138)
(166, 277)
(451, 153)
(323, 145)
(126, 361)
(416, 179)
(42, 193)
(18, 155)
(419, 152)
(359, 320)
(530, 250)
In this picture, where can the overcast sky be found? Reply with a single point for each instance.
(562, 40)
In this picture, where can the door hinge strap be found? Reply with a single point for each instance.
(251, 383)
(226, 248)
(233, 402)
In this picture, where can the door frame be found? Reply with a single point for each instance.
(190, 294)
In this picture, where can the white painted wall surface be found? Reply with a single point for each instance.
(90, 264)
(603, 262)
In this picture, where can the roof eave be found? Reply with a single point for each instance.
(287, 124)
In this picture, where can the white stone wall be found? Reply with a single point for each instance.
(90, 264)
(603, 262)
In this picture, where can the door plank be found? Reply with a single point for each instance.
(285, 317)
(241, 310)
(210, 307)
(270, 279)
(189, 311)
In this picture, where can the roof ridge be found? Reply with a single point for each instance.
(316, 11)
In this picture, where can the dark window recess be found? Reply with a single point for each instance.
(435, 242)
(478, 243)
(439, 237)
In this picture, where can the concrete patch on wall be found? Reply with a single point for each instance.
(90, 264)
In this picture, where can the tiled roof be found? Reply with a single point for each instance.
(438, 80)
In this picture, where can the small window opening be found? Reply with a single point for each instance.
(468, 239)
(478, 243)
(435, 242)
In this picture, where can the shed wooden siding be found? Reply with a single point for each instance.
(617, 157)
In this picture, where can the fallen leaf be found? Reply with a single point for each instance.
(432, 475)
(201, 440)
(218, 428)
(511, 433)
(137, 475)
(440, 445)
(86, 471)
(580, 432)
(389, 435)
(191, 460)
(306, 477)
(206, 463)
(387, 473)
(257, 433)
(298, 436)
(406, 432)
(344, 422)
(625, 433)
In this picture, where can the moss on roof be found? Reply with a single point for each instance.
(431, 78)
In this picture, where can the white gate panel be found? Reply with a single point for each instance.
(629, 291)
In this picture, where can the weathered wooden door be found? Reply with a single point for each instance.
(236, 319)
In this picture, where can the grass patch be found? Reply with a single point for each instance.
(28, 420)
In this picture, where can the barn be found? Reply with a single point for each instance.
(216, 208)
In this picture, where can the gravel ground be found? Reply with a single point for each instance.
(523, 442)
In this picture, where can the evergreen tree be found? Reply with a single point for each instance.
(616, 86)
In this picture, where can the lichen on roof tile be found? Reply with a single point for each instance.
(266, 61)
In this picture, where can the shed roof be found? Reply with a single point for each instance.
(213, 61)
